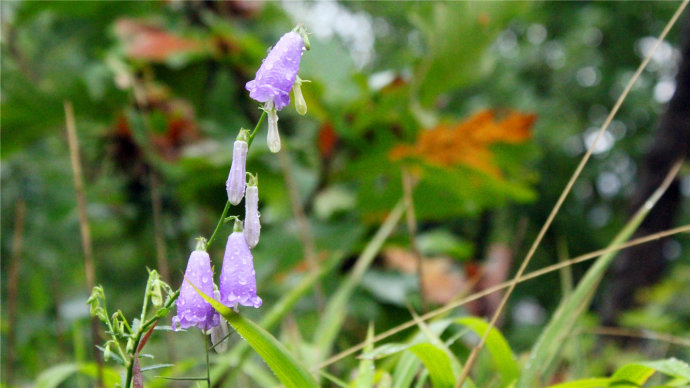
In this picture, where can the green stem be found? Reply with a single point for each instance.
(221, 221)
(143, 328)
(208, 367)
(256, 129)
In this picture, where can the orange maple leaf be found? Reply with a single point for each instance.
(467, 142)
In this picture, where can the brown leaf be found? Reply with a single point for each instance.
(442, 279)
(152, 43)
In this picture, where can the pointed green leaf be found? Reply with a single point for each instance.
(500, 351)
(671, 367)
(437, 363)
(288, 370)
(631, 376)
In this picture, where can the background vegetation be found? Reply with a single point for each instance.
(485, 109)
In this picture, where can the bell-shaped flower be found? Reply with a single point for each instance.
(252, 226)
(192, 309)
(237, 277)
(236, 179)
(277, 73)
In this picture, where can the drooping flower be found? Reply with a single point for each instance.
(237, 277)
(192, 309)
(236, 179)
(252, 226)
(277, 73)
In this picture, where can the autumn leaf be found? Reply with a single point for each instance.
(468, 142)
(151, 43)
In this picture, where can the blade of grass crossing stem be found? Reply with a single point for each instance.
(334, 315)
(289, 371)
(559, 327)
(501, 354)
(365, 372)
(237, 355)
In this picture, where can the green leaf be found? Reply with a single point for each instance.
(632, 375)
(437, 363)
(671, 367)
(596, 382)
(453, 28)
(288, 370)
(502, 355)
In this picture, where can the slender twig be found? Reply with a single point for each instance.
(89, 268)
(12, 284)
(305, 235)
(506, 284)
(408, 187)
(475, 351)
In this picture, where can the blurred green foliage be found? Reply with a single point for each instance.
(158, 92)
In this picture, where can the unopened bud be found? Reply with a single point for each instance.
(300, 104)
(236, 179)
(252, 226)
(273, 138)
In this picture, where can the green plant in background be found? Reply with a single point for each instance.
(128, 340)
(466, 119)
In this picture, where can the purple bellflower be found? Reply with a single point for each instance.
(192, 309)
(278, 72)
(252, 226)
(237, 277)
(276, 77)
(236, 179)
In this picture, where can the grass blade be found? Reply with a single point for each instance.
(561, 324)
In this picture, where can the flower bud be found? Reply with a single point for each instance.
(236, 179)
(106, 351)
(273, 138)
(300, 104)
(252, 226)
